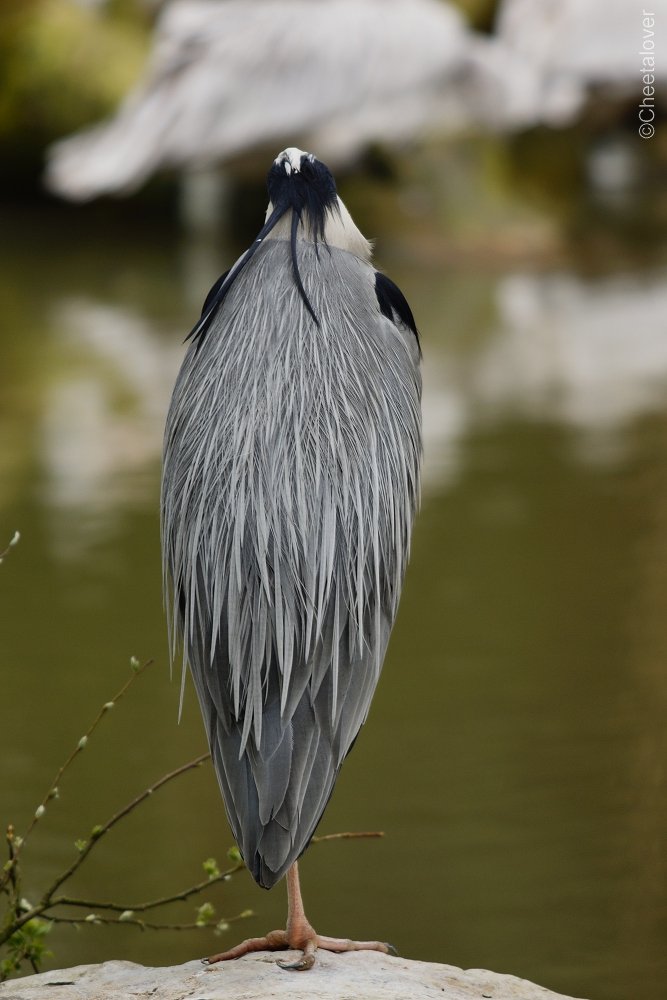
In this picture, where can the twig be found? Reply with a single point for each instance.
(348, 836)
(84, 739)
(52, 791)
(15, 539)
(47, 901)
(14, 888)
(11, 850)
(153, 904)
(145, 925)
(100, 831)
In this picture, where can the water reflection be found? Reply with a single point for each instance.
(102, 417)
(588, 353)
(554, 347)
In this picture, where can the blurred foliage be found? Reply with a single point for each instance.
(26, 945)
(62, 65)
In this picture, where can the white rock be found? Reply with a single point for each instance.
(354, 976)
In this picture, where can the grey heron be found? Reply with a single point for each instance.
(290, 483)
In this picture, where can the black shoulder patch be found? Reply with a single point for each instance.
(392, 300)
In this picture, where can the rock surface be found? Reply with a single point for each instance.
(355, 976)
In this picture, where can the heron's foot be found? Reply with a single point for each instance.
(274, 941)
(339, 945)
(300, 938)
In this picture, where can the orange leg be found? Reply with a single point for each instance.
(299, 935)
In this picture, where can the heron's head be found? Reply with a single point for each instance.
(303, 206)
(302, 186)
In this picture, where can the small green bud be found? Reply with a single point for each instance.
(234, 854)
(25, 905)
(16, 538)
(81, 845)
(125, 915)
(222, 926)
(134, 663)
(108, 706)
(92, 918)
(39, 812)
(247, 913)
(82, 742)
(96, 832)
(18, 841)
(54, 793)
(205, 913)
(210, 866)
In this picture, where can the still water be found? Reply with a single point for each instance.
(515, 752)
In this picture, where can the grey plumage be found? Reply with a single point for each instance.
(291, 479)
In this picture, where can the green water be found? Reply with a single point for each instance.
(515, 752)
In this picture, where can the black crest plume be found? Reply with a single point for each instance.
(309, 190)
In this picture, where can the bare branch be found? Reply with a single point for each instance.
(145, 925)
(348, 836)
(15, 539)
(153, 904)
(46, 903)
(100, 831)
(52, 791)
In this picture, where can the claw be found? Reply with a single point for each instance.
(307, 960)
(302, 964)
(391, 950)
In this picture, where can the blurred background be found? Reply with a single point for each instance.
(509, 159)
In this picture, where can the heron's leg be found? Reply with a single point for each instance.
(299, 935)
